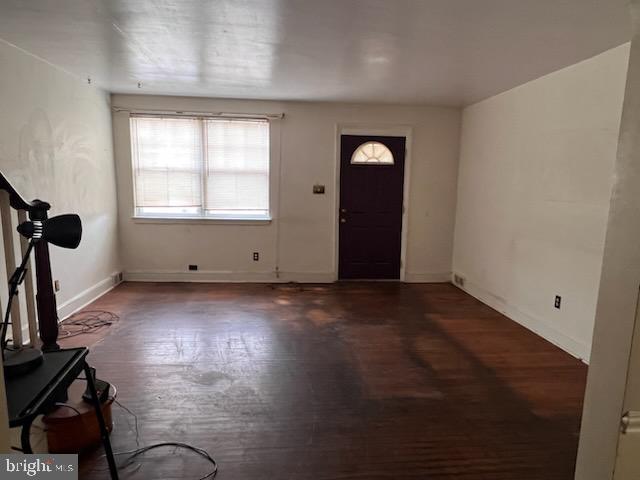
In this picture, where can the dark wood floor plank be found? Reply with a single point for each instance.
(347, 381)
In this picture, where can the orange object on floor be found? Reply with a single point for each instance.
(73, 427)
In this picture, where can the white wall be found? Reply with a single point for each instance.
(536, 168)
(304, 247)
(56, 145)
(618, 298)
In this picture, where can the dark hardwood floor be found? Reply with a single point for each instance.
(347, 381)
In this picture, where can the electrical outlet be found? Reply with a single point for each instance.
(318, 189)
(193, 267)
(256, 256)
(557, 302)
(56, 285)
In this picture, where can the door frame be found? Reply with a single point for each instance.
(373, 130)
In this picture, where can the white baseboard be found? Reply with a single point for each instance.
(85, 297)
(208, 276)
(443, 277)
(538, 326)
(211, 276)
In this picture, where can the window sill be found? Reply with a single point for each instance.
(201, 220)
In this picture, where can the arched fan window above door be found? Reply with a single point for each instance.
(372, 153)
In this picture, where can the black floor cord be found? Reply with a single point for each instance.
(131, 454)
(139, 451)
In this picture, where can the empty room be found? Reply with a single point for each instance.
(320, 239)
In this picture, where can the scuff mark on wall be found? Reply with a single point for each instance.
(36, 170)
(50, 156)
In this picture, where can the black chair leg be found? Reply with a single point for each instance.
(25, 438)
(106, 442)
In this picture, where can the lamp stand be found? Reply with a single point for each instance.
(19, 359)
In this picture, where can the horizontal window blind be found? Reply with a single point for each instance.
(201, 166)
(237, 166)
(167, 156)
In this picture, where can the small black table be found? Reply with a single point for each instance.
(36, 392)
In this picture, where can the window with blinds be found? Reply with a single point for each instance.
(200, 167)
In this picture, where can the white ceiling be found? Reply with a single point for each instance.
(407, 51)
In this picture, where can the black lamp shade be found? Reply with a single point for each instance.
(63, 230)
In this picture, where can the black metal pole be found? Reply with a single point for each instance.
(104, 433)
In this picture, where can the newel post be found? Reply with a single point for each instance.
(45, 295)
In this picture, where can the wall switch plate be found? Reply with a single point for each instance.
(56, 285)
(557, 302)
(256, 256)
(193, 267)
(318, 189)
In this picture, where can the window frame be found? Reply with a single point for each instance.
(202, 216)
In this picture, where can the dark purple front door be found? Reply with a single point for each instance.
(370, 213)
